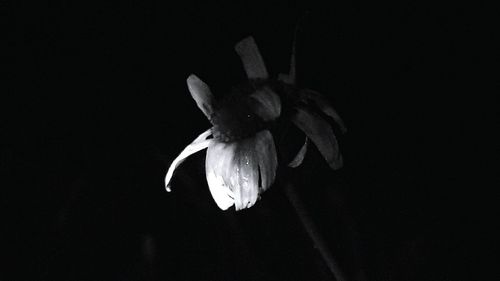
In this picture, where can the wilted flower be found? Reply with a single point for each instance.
(241, 159)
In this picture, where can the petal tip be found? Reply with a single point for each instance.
(251, 58)
(337, 163)
(201, 93)
(192, 76)
(224, 207)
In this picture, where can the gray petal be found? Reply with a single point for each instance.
(320, 101)
(267, 104)
(297, 160)
(201, 94)
(268, 159)
(321, 134)
(252, 60)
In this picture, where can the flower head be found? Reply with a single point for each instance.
(241, 158)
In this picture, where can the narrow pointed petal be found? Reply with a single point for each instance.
(300, 156)
(201, 142)
(322, 103)
(252, 60)
(268, 159)
(201, 94)
(321, 134)
(219, 167)
(267, 104)
(292, 74)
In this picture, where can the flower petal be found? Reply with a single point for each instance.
(219, 167)
(252, 60)
(201, 94)
(255, 157)
(322, 103)
(290, 78)
(198, 144)
(246, 189)
(300, 156)
(268, 104)
(233, 170)
(268, 159)
(320, 132)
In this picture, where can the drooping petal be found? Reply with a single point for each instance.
(297, 160)
(322, 103)
(255, 157)
(201, 142)
(201, 94)
(268, 159)
(246, 190)
(223, 196)
(219, 166)
(252, 60)
(320, 132)
(267, 104)
(234, 169)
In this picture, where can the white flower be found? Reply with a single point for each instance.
(241, 158)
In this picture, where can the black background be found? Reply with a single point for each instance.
(98, 107)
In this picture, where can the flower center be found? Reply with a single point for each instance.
(235, 118)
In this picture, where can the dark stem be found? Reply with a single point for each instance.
(313, 232)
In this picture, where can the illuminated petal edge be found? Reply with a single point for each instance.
(201, 142)
(321, 134)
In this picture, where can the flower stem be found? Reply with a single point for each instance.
(313, 232)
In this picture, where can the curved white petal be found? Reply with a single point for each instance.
(233, 170)
(255, 158)
(322, 103)
(268, 104)
(268, 159)
(198, 144)
(201, 94)
(223, 196)
(246, 188)
(320, 132)
(252, 60)
(219, 167)
(297, 160)
(258, 160)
